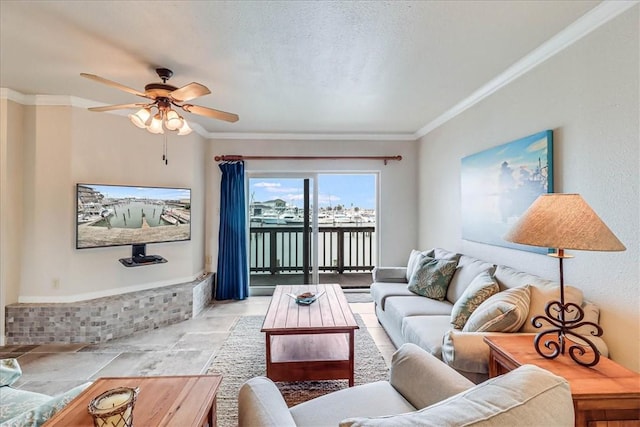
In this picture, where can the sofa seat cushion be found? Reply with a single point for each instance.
(502, 401)
(426, 332)
(415, 305)
(397, 308)
(468, 269)
(372, 399)
(380, 291)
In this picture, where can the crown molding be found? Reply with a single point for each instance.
(74, 101)
(590, 21)
(314, 136)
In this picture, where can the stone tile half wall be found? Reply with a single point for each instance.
(102, 319)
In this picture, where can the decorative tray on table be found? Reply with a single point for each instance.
(306, 298)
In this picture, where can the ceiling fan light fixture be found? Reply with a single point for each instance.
(184, 129)
(173, 121)
(156, 124)
(141, 117)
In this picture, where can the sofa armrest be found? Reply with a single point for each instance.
(261, 404)
(423, 379)
(467, 351)
(390, 274)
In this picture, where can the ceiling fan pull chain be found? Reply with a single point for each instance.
(166, 152)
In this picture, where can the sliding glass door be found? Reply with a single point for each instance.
(283, 229)
(312, 228)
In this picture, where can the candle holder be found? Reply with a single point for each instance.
(114, 408)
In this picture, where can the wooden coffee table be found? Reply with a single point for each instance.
(188, 400)
(309, 342)
(603, 395)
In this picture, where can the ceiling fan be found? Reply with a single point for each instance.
(163, 97)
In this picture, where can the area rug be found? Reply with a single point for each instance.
(242, 357)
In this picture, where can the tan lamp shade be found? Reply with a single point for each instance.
(563, 221)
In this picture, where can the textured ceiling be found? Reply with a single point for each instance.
(282, 66)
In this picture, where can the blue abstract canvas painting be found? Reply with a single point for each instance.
(500, 183)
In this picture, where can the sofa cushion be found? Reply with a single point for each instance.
(440, 253)
(526, 396)
(468, 269)
(397, 308)
(415, 259)
(431, 278)
(480, 289)
(505, 311)
(381, 291)
(14, 402)
(541, 295)
(9, 371)
(542, 291)
(38, 415)
(426, 332)
(377, 398)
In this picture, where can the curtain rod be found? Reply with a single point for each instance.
(233, 157)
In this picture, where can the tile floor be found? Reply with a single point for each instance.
(181, 349)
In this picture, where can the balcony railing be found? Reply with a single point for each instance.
(279, 249)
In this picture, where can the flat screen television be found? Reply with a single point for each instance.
(117, 215)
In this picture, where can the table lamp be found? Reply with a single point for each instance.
(564, 221)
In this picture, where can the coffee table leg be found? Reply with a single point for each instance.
(268, 355)
(351, 357)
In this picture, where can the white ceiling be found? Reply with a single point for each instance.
(307, 67)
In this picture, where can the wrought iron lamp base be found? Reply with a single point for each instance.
(552, 342)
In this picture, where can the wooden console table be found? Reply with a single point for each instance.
(603, 395)
(188, 400)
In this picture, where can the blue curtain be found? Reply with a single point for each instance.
(233, 269)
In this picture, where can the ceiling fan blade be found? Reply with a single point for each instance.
(113, 84)
(188, 92)
(210, 112)
(116, 107)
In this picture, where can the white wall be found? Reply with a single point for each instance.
(67, 145)
(397, 217)
(589, 95)
(11, 155)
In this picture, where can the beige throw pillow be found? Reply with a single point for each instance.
(505, 311)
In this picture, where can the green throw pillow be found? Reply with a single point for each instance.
(505, 311)
(480, 289)
(431, 278)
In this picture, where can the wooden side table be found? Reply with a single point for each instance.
(188, 400)
(604, 395)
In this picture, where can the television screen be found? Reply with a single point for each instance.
(115, 215)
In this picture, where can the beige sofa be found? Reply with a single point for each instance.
(421, 391)
(426, 322)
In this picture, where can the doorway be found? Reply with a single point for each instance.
(312, 228)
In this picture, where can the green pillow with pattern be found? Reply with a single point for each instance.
(431, 278)
(480, 289)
